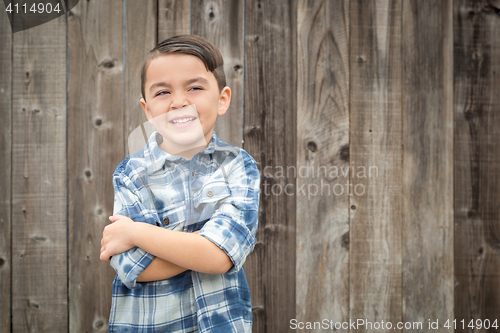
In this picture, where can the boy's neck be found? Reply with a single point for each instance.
(186, 151)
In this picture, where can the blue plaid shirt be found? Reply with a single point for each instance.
(216, 192)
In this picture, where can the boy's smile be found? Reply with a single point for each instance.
(183, 102)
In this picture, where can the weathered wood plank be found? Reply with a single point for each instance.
(95, 148)
(476, 161)
(5, 168)
(140, 38)
(428, 162)
(174, 18)
(39, 247)
(221, 22)
(376, 205)
(270, 137)
(322, 273)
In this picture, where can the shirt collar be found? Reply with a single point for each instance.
(157, 157)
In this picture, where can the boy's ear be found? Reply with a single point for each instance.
(146, 109)
(224, 100)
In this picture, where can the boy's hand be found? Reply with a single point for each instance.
(117, 236)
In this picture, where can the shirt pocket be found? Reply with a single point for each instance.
(209, 197)
(173, 216)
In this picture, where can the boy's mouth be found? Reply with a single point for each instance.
(182, 120)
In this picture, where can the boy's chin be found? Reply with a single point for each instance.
(183, 141)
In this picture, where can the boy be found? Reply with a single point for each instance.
(180, 271)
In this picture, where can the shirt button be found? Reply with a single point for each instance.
(210, 193)
(192, 172)
(166, 221)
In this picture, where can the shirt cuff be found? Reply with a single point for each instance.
(232, 236)
(129, 265)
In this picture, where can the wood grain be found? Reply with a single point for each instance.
(476, 160)
(322, 248)
(428, 162)
(221, 22)
(408, 87)
(5, 168)
(95, 147)
(39, 197)
(140, 38)
(376, 205)
(270, 137)
(174, 18)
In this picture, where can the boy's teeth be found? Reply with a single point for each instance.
(182, 120)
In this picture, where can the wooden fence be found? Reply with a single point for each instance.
(376, 125)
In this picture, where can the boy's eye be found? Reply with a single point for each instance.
(196, 88)
(162, 93)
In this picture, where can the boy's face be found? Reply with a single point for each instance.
(173, 83)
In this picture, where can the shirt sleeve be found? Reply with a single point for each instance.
(129, 265)
(233, 225)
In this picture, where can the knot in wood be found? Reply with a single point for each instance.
(344, 153)
(211, 14)
(312, 146)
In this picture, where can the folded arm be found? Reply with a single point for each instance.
(160, 269)
(183, 250)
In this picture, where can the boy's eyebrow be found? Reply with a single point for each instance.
(163, 84)
(198, 78)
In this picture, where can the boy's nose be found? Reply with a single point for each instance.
(179, 101)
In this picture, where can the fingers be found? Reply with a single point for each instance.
(105, 237)
(103, 255)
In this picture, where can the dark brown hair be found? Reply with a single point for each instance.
(193, 45)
